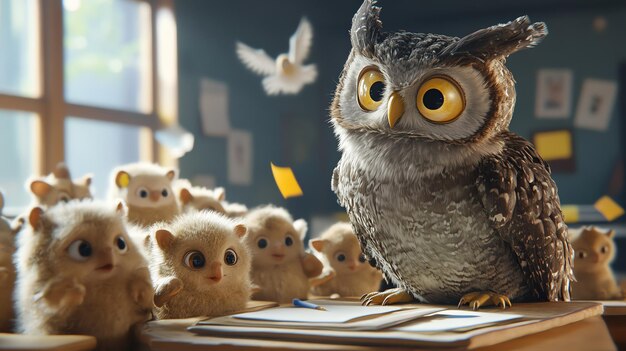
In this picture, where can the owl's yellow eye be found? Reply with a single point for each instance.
(440, 100)
(370, 89)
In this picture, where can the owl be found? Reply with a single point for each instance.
(452, 206)
(595, 250)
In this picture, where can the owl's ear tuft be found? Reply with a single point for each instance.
(499, 41)
(366, 26)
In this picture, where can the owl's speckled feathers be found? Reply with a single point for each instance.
(446, 207)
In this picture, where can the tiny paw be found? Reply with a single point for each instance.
(74, 295)
(143, 294)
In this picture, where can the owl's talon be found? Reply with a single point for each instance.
(484, 298)
(387, 297)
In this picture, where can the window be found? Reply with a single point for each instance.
(87, 82)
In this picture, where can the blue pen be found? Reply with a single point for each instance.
(300, 303)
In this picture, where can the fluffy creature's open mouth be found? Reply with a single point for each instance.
(105, 268)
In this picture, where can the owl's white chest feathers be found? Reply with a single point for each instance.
(423, 221)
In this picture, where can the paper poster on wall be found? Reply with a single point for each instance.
(596, 103)
(240, 157)
(557, 148)
(214, 107)
(554, 93)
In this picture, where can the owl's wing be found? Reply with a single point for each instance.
(300, 42)
(257, 60)
(522, 203)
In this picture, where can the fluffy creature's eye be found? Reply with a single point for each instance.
(230, 257)
(440, 100)
(370, 89)
(164, 193)
(582, 254)
(194, 259)
(288, 240)
(80, 250)
(262, 243)
(604, 249)
(362, 258)
(341, 257)
(142, 193)
(121, 244)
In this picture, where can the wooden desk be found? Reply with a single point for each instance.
(587, 334)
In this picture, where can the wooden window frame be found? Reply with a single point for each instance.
(51, 106)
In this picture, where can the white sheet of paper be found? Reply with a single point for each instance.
(214, 107)
(596, 104)
(457, 319)
(334, 313)
(240, 157)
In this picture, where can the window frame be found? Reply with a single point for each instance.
(52, 108)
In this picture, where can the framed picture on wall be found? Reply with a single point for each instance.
(595, 106)
(554, 93)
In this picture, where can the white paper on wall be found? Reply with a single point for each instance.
(240, 157)
(214, 107)
(554, 93)
(595, 106)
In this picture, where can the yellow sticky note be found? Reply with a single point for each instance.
(286, 181)
(610, 209)
(570, 213)
(555, 145)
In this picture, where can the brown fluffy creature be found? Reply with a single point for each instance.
(79, 273)
(280, 267)
(346, 269)
(195, 198)
(594, 250)
(7, 270)
(58, 186)
(200, 266)
(147, 189)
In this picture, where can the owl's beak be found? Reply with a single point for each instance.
(395, 108)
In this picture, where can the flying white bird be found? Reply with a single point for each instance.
(286, 74)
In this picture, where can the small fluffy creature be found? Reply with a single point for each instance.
(346, 269)
(200, 266)
(595, 250)
(58, 186)
(7, 271)
(79, 273)
(234, 210)
(280, 267)
(196, 198)
(287, 74)
(147, 189)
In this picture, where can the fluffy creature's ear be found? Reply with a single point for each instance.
(499, 40)
(185, 196)
(366, 27)
(171, 174)
(40, 188)
(317, 244)
(61, 171)
(164, 239)
(85, 180)
(122, 179)
(301, 227)
(241, 230)
(220, 194)
(121, 209)
(34, 218)
(611, 233)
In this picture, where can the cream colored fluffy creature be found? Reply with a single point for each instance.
(7, 270)
(147, 189)
(280, 267)
(58, 186)
(79, 273)
(346, 270)
(200, 266)
(195, 198)
(594, 251)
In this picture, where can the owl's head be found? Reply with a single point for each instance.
(428, 86)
